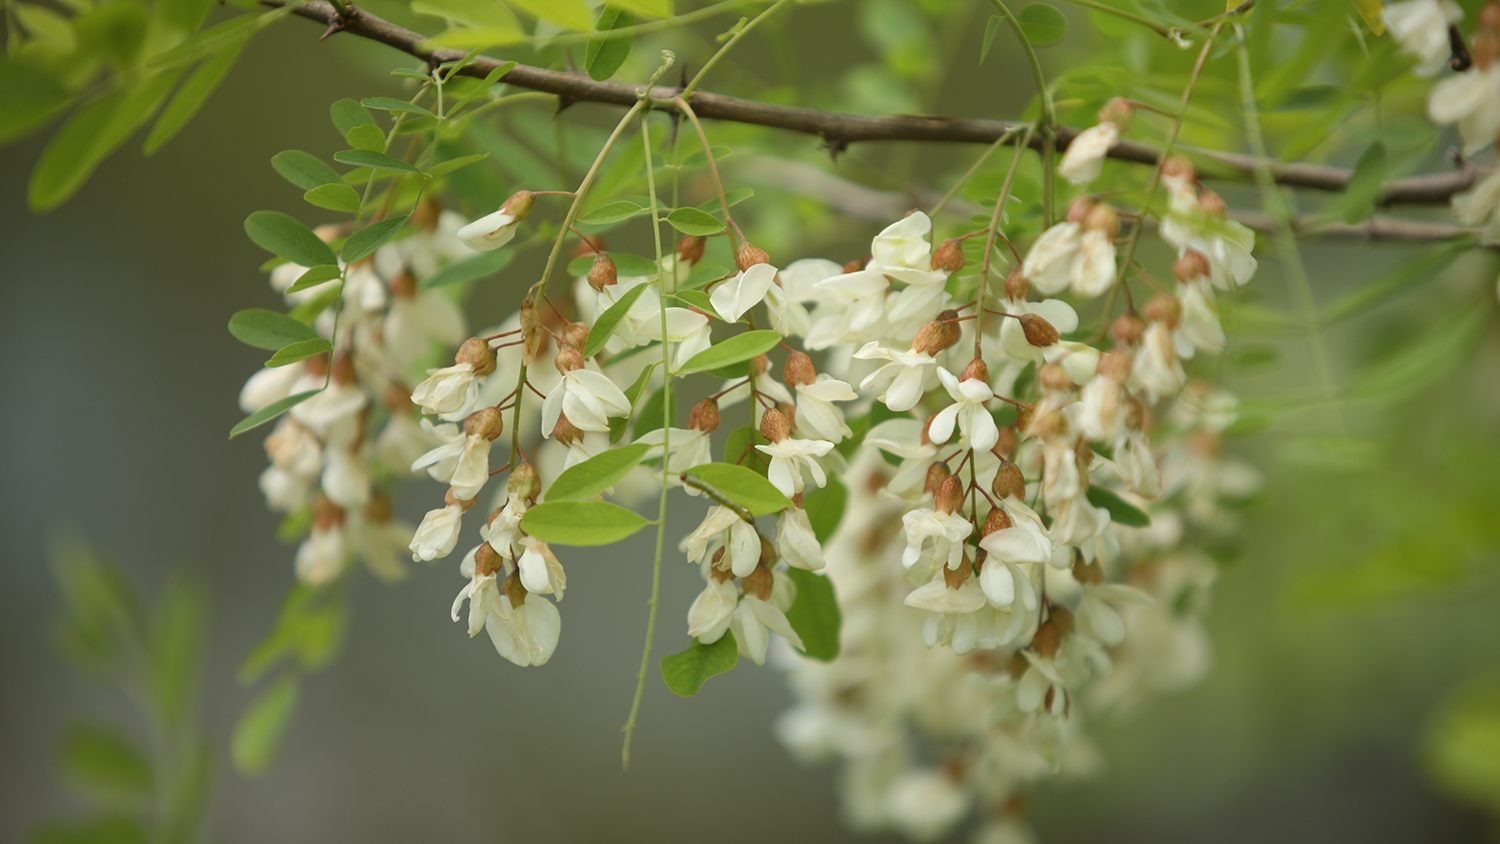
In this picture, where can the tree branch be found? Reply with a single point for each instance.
(839, 130)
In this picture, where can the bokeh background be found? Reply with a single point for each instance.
(119, 383)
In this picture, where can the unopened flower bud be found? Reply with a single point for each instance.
(798, 370)
(1062, 617)
(519, 204)
(759, 582)
(487, 560)
(532, 336)
(976, 371)
(343, 370)
(1025, 413)
(774, 425)
(955, 577)
(476, 352)
(856, 265)
(512, 589)
(768, 553)
(1489, 16)
(1047, 640)
(403, 285)
(790, 412)
(1115, 365)
(1039, 332)
(603, 273)
(1017, 285)
(1164, 309)
(704, 416)
(1128, 330)
(690, 248)
(326, 515)
(1178, 167)
(949, 256)
(750, 255)
(1213, 204)
(1191, 266)
(1005, 446)
(524, 482)
(449, 499)
(926, 438)
(565, 432)
(950, 495)
(938, 334)
(378, 511)
(1088, 574)
(317, 365)
(1079, 210)
(568, 359)
(719, 572)
(759, 365)
(1103, 217)
(1018, 666)
(1054, 378)
(1118, 111)
(998, 519)
(1009, 482)
(576, 334)
(936, 474)
(487, 423)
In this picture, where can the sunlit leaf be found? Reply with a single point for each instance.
(692, 221)
(604, 55)
(743, 486)
(740, 347)
(596, 474)
(581, 522)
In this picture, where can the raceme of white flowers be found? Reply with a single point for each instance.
(1025, 502)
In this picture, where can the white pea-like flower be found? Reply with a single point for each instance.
(903, 438)
(437, 534)
(905, 374)
(541, 572)
(746, 289)
(756, 618)
(903, 253)
(450, 392)
(1421, 28)
(494, 230)
(482, 592)
(937, 596)
(944, 532)
(723, 528)
(1157, 370)
(1084, 158)
(685, 327)
(817, 417)
(1096, 614)
(270, 385)
(346, 478)
(970, 397)
(853, 307)
(322, 555)
(786, 303)
(1049, 262)
(588, 398)
(1200, 328)
(712, 610)
(789, 457)
(796, 541)
(526, 634)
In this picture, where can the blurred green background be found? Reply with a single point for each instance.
(1361, 606)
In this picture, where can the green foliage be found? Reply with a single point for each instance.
(692, 221)
(269, 330)
(284, 236)
(270, 411)
(605, 54)
(339, 197)
(581, 522)
(743, 486)
(814, 615)
(1462, 747)
(686, 672)
(604, 327)
(102, 760)
(363, 243)
(304, 170)
(610, 213)
(259, 732)
(825, 507)
(373, 159)
(194, 92)
(1122, 512)
(739, 449)
(1043, 24)
(596, 474)
(1364, 185)
(737, 349)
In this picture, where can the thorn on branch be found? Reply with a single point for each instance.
(343, 13)
(834, 146)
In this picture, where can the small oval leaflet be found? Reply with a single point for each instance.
(284, 235)
(596, 474)
(304, 170)
(745, 487)
(299, 351)
(393, 104)
(1043, 24)
(612, 212)
(269, 330)
(814, 615)
(370, 158)
(347, 114)
(364, 242)
(604, 54)
(605, 325)
(740, 347)
(258, 734)
(686, 672)
(581, 522)
(366, 137)
(314, 277)
(1120, 510)
(339, 197)
(443, 168)
(692, 221)
(270, 411)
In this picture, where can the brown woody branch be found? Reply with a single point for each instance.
(840, 130)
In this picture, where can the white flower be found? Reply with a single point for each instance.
(685, 327)
(1101, 409)
(1098, 620)
(1200, 328)
(968, 410)
(906, 374)
(294, 448)
(414, 322)
(1025, 541)
(1013, 337)
(321, 556)
(588, 397)
(926, 804)
(402, 442)
(1093, 271)
(903, 438)
(441, 461)
(1136, 465)
(269, 385)
(1075, 521)
(346, 479)
(437, 534)
(1472, 100)
(902, 252)
(1421, 27)
(787, 459)
(853, 305)
(733, 297)
(451, 392)
(541, 573)
(284, 491)
(1227, 244)
(690, 448)
(503, 533)
(1003, 581)
(1084, 158)
(947, 532)
(722, 527)
(937, 596)
(526, 634)
(1157, 369)
(491, 231)
(334, 413)
(1049, 264)
(711, 611)
(796, 541)
(816, 416)
(382, 545)
(786, 302)
(482, 592)
(754, 620)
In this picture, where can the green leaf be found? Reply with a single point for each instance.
(739, 449)
(573, 14)
(605, 325)
(393, 104)
(370, 158)
(305, 170)
(699, 300)
(364, 242)
(71, 155)
(740, 347)
(612, 212)
(734, 197)
(98, 758)
(1364, 184)
(745, 487)
(814, 615)
(1462, 746)
(29, 96)
(477, 38)
(175, 644)
(596, 474)
(475, 266)
(473, 13)
(692, 221)
(314, 276)
(367, 137)
(192, 95)
(443, 168)
(299, 351)
(261, 728)
(1370, 294)
(989, 36)
(653, 412)
(825, 507)
(686, 672)
(1421, 361)
(269, 330)
(321, 634)
(696, 158)
(650, 8)
(282, 235)
(270, 411)
(581, 522)
(1120, 510)
(338, 197)
(1043, 24)
(604, 55)
(628, 266)
(347, 114)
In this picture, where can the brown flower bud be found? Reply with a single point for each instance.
(1025, 413)
(768, 553)
(519, 204)
(396, 399)
(759, 365)
(950, 495)
(403, 285)
(1128, 330)
(476, 352)
(1088, 574)
(591, 245)
(565, 432)
(487, 560)
(1178, 167)
(956, 577)
(603, 273)
(949, 256)
(926, 438)
(759, 582)
(1006, 445)
(487, 423)
(378, 511)
(1054, 378)
(1164, 309)
(576, 334)
(1017, 285)
(976, 371)
(936, 474)
(704, 416)
(326, 515)
(1103, 217)
(1079, 210)
(1213, 204)
(1018, 666)
(317, 365)
(524, 482)
(1118, 111)
(449, 499)
(532, 336)
(717, 570)
(568, 359)
(1047, 640)
(1039, 332)
(1061, 617)
(1009, 482)
(774, 425)
(1485, 48)
(750, 255)
(798, 370)
(1049, 425)
(790, 412)
(512, 589)
(1115, 365)
(856, 265)
(939, 334)
(690, 248)
(1489, 16)
(343, 370)
(1191, 266)
(998, 519)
